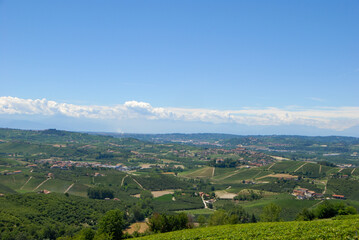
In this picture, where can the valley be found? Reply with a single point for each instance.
(168, 175)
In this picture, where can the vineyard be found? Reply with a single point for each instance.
(323, 229)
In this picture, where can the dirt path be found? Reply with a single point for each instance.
(340, 170)
(317, 204)
(205, 205)
(254, 177)
(264, 176)
(279, 175)
(300, 167)
(41, 184)
(213, 171)
(271, 166)
(25, 183)
(325, 187)
(69, 188)
(138, 183)
(352, 171)
(320, 169)
(123, 180)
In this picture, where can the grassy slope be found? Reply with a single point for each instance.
(290, 206)
(323, 229)
(205, 172)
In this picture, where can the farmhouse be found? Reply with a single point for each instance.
(44, 191)
(303, 193)
(338, 196)
(14, 172)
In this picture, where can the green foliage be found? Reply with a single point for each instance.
(183, 202)
(347, 187)
(154, 181)
(271, 213)
(99, 193)
(167, 223)
(85, 234)
(326, 163)
(35, 215)
(219, 217)
(248, 197)
(329, 210)
(305, 215)
(112, 223)
(6, 189)
(146, 195)
(202, 220)
(286, 186)
(230, 214)
(226, 163)
(327, 229)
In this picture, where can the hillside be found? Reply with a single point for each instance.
(147, 177)
(321, 229)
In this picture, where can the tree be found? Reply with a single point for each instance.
(202, 220)
(230, 214)
(137, 213)
(112, 223)
(271, 213)
(157, 223)
(167, 223)
(85, 234)
(305, 215)
(326, 210)
(219, 217)
(329, 210)
(99, 193)
(348, 210)
(146, 195)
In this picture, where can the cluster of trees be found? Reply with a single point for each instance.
(104, 155)
(326, 163)
(99, 193)
(40, 216)
(110, 227)
(248, 197)
(226, 163)
(271, 213)
(228, 214)
(235, 214)
(326, 210)
(167, 223)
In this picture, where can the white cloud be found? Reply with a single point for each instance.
(339, 118)
(316, 99)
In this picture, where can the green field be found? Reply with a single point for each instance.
(321, 229)
(164, 198)
(290, 206)
(286, 166)
(70, 158)
(205, 172)
(243, 174)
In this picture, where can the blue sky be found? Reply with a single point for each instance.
(224, 56)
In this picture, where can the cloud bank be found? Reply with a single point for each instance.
(333, 118)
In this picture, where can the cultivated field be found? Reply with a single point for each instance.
(323, 229)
